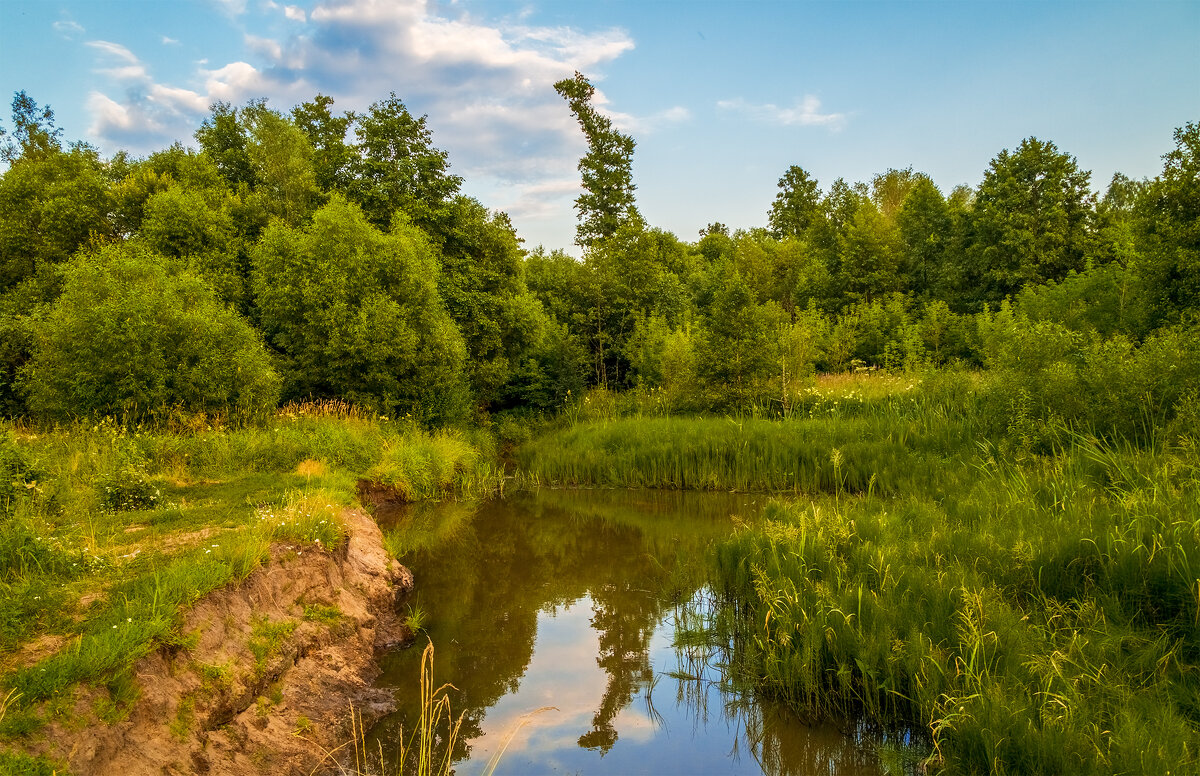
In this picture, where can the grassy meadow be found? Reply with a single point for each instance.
(110, 531)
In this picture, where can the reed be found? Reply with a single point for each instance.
(429, 747)
(1040, 619)
(875, 454)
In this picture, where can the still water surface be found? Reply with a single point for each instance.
(573, 600)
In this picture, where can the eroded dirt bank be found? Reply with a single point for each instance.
(268, 686)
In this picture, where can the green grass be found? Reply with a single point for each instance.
(267, 639)
(142, 522)
(21, 764)
(1041, 620)
(882, 455)
(420, 467)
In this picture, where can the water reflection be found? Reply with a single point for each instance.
(573, 600)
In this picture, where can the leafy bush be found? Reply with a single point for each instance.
(133, 336)
(125, 489)
(1045, 375)
(355, 314)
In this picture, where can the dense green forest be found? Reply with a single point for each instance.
(314, 254)
(981, 408)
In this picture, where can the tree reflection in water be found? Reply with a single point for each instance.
(490, 580)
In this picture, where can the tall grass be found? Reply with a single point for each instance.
(424, 466)
(1040, 620)
(881, 454)
(428, 749)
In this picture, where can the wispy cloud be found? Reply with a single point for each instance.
(114, 50)
(295, 13)
(120, 64)
(805, 113)
(168, 41)
(230, 8)
(646, 125)
(68, 29)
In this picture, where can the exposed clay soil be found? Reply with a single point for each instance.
(212, 710)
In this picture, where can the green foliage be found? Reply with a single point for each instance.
(737, 356)
(607, 201)
(52, 203)
(926, 230)
(282, 159)
(1031, 218)
(327, 135)
(870, 252)
(180, 222)
(422, 466)
(1108, 300)
(354, 313)
(396, 168)
(1168, 215)
(796, 206)
(1017, 613)
(224, 140)
(1044, 375)
(127, 488)
(484, 292)
(132, 336)
(632, 274)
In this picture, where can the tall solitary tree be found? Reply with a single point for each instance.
(607, 200)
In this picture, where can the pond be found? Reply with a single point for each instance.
(571, 623)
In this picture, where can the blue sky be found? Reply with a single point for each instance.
(721, 97)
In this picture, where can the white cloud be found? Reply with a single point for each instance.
(114, 50)
(235, 82)
(805, 113)
(167, 41)
(487, 88)
(68, 29)
(265, 47)
(122, 64)
(646, 125)
(231, 7)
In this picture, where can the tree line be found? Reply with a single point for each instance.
(332, 255)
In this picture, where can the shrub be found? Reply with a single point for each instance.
(127, 488)
(133, 336)
(356, 314)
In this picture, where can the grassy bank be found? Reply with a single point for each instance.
(1043, 620)
(109, 533)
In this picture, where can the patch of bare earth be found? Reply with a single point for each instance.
(217, 708)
